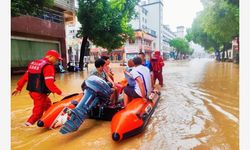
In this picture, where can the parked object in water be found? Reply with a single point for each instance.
(59, 68)
(72, 67)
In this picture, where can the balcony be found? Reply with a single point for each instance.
(52, 15)
(67, 5)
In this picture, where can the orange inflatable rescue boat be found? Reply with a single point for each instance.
(57, 113)
(134, 118)
(60, 111)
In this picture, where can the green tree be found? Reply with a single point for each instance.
(216, 26)
(181, 46)
(197, 34)
(221, 21)
(105, 23)
(29, 7)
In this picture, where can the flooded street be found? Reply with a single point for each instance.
(198, 109)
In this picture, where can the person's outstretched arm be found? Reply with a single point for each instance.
(20, 84)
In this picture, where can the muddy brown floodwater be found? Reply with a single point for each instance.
(198, 109)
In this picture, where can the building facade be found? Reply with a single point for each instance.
(32, 36)
(154, 21)
(73, 43)
(180, 32)
(167, 35)
(143, 43)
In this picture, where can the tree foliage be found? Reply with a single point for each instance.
(29, 7)
(221, 21)
(181, 46)
(105, 22)
(216, 26)
(199, 36)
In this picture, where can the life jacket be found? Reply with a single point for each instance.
(36, 81)
(157, 64)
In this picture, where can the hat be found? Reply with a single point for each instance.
(157, 52)
(54, 53)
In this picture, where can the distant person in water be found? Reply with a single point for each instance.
(157, 66)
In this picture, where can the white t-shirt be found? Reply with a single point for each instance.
(144, 73)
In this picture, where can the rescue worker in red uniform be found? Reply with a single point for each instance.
(157, 65)
(40, 77)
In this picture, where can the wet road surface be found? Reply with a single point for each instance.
(198, 109)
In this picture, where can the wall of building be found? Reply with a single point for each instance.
(136, 21)
(180, 32)
(65, 4)
(155, 19)
(167, 35)
(33, 29)
(37, 26)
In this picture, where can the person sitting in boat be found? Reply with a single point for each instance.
(147, 64)
(99, 71)
(107, 68)
(127, 74)
(143, 86)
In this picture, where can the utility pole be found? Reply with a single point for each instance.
(142, 46)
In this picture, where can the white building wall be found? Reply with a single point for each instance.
(136, 22)
(149, 20)
(141, 21)
(155, 19)
(72, 41)
(167, 35)
(180, 32)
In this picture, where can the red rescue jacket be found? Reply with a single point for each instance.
(36, 82)
(157, 64)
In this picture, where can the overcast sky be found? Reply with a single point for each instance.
(180, 12)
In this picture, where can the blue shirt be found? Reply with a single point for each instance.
(148, 65)
(131, 81)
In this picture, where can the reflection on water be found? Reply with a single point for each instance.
(198, 109)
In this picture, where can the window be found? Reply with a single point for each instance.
(24, 51)
(153, 32)
(144, 11)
